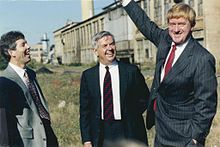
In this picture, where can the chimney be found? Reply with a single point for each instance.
(87, 8)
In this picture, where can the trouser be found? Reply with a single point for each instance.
(111, 131)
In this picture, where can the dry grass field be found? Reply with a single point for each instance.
(61, 90)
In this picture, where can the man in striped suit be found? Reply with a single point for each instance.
(183, 95)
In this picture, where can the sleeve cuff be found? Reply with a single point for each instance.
(125, 2)
(87, 142)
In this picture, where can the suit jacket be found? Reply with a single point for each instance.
(134, 96)
(20, 124)
(187, 96)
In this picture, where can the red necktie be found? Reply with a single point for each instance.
(41, 110)
(170, 60)
(107, 96)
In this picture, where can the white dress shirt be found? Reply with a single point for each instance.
(178, 52)
(113, 69)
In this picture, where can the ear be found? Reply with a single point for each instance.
(95, 51)
(11, 52)
(193, 26)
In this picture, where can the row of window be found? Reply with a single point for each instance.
(81, 36)
(36, 49)
(158, 13)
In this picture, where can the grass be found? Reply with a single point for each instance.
(61, 90)
(62, 93)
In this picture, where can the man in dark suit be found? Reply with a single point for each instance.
(184, 91)
(24, 116)
(104, 118)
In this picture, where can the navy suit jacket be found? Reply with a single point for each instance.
(20, 123)
(134, 96)
(187, 96)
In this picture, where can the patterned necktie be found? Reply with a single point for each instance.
(107, 96)
(170, 60)
(32, 89)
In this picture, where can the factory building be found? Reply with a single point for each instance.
(73, 41)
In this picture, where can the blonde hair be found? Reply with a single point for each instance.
(182, 10)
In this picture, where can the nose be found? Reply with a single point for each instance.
(110, 46)
(176, 28)
(27, 45)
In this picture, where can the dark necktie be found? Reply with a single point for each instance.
(107, 96)
(34, 93)
(170, 60)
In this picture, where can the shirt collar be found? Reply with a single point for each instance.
(18, 70)
(114, 63)
(183, 45)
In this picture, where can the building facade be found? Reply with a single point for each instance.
(73, 42)
(37, 52)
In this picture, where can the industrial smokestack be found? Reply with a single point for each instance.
(45, 43)
(87, 8)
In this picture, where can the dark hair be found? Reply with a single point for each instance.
(8, 41)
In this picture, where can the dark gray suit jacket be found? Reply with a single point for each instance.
(187, 97)
(20, 124)
(134, 96)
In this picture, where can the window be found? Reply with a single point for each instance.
(95, 27)
(167, 6)
(139, 50)
(102, 24)
(147, 49)
(147, 7)
(200, 12)
(191, 3)
(158, 12)
(147, 53)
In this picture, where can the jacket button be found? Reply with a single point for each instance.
(41, 123)
(44, 139)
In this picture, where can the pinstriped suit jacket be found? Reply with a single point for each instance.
(20, 123)
(187, 97)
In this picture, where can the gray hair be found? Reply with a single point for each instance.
(100, 35)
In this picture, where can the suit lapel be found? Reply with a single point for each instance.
(11, 74)
(162, 54)
(123, 78)
(158, 71)
(96, 87)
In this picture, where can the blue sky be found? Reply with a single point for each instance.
(34, 18)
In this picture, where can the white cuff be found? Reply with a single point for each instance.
(87, 142)
(125, 2)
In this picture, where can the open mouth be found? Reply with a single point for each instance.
(27, 53)
(109, 55)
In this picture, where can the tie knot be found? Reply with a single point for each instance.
(174, 47)
(25, 74)
(107, 68)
